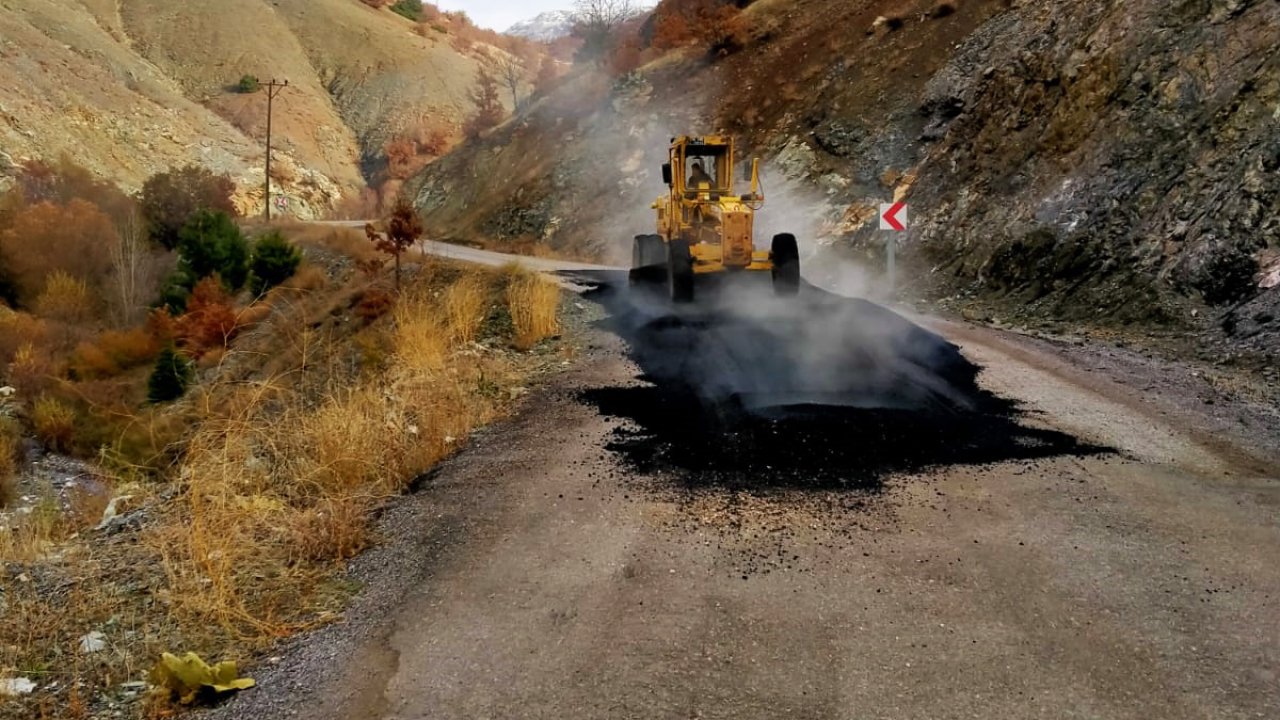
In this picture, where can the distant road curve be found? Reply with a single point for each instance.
(484, 257)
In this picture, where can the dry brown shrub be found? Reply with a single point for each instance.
(132, 348)
(19, 329)
(253, 315)
(210, 321)
(54, 423)
(45, 238)
(65, 299)
(32, 370)
(626, 57)
(373, 304)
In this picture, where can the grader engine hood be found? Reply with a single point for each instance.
(735, 224)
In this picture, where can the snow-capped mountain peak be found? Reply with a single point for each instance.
(545, 27)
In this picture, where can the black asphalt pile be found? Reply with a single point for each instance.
(749, 390)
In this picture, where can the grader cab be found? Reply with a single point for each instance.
(704, 225)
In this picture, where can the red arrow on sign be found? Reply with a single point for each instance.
(890, 216)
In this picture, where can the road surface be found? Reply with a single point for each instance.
(478, 256)
(635, 545)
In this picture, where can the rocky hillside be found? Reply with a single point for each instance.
(131, 87)
(1070, 160)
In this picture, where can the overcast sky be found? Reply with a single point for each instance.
(502, 14)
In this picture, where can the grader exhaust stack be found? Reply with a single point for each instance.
(705, 226)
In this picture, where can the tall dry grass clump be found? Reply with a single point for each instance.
(421, 335)
(54, 423)
(534, 303)
(278, 484)
(465, 303)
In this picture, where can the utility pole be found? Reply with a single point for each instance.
(273, 88)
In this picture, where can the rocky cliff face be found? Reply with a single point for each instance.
(1073, 160)
(1100, 158)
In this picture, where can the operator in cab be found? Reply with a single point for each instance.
(698, 176)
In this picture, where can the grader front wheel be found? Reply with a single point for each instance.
(680, 271)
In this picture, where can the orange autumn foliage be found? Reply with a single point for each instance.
(210, 320)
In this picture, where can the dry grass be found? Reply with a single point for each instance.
(465, 303)
(347, 241)
(10, 446)
(309, 278)
(534, 303)
(65, 299)
(31, 538)
(278, 478)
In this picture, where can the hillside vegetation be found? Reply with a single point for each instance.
(191, 404)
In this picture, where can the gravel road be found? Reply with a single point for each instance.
(741, 510)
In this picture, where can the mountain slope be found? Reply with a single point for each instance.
(1087, 162)
(544, 27)
(137, 86)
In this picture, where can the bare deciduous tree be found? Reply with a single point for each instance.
(127, 257)
(595, 22)
(511, 70)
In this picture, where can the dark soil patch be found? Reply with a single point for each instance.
(820, 392)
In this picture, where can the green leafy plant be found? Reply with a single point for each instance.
(411, 9)
(248, 84)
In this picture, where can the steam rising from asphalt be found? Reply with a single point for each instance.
(743, 348)
(748, 391)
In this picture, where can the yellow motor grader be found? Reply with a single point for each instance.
(705, 227)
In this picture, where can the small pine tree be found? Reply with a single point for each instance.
(171, 376)
(212, 244)
(274, 260)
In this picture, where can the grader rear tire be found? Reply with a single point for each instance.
(785, 255)
(680, 271)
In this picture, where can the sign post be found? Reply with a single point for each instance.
(893, 218)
